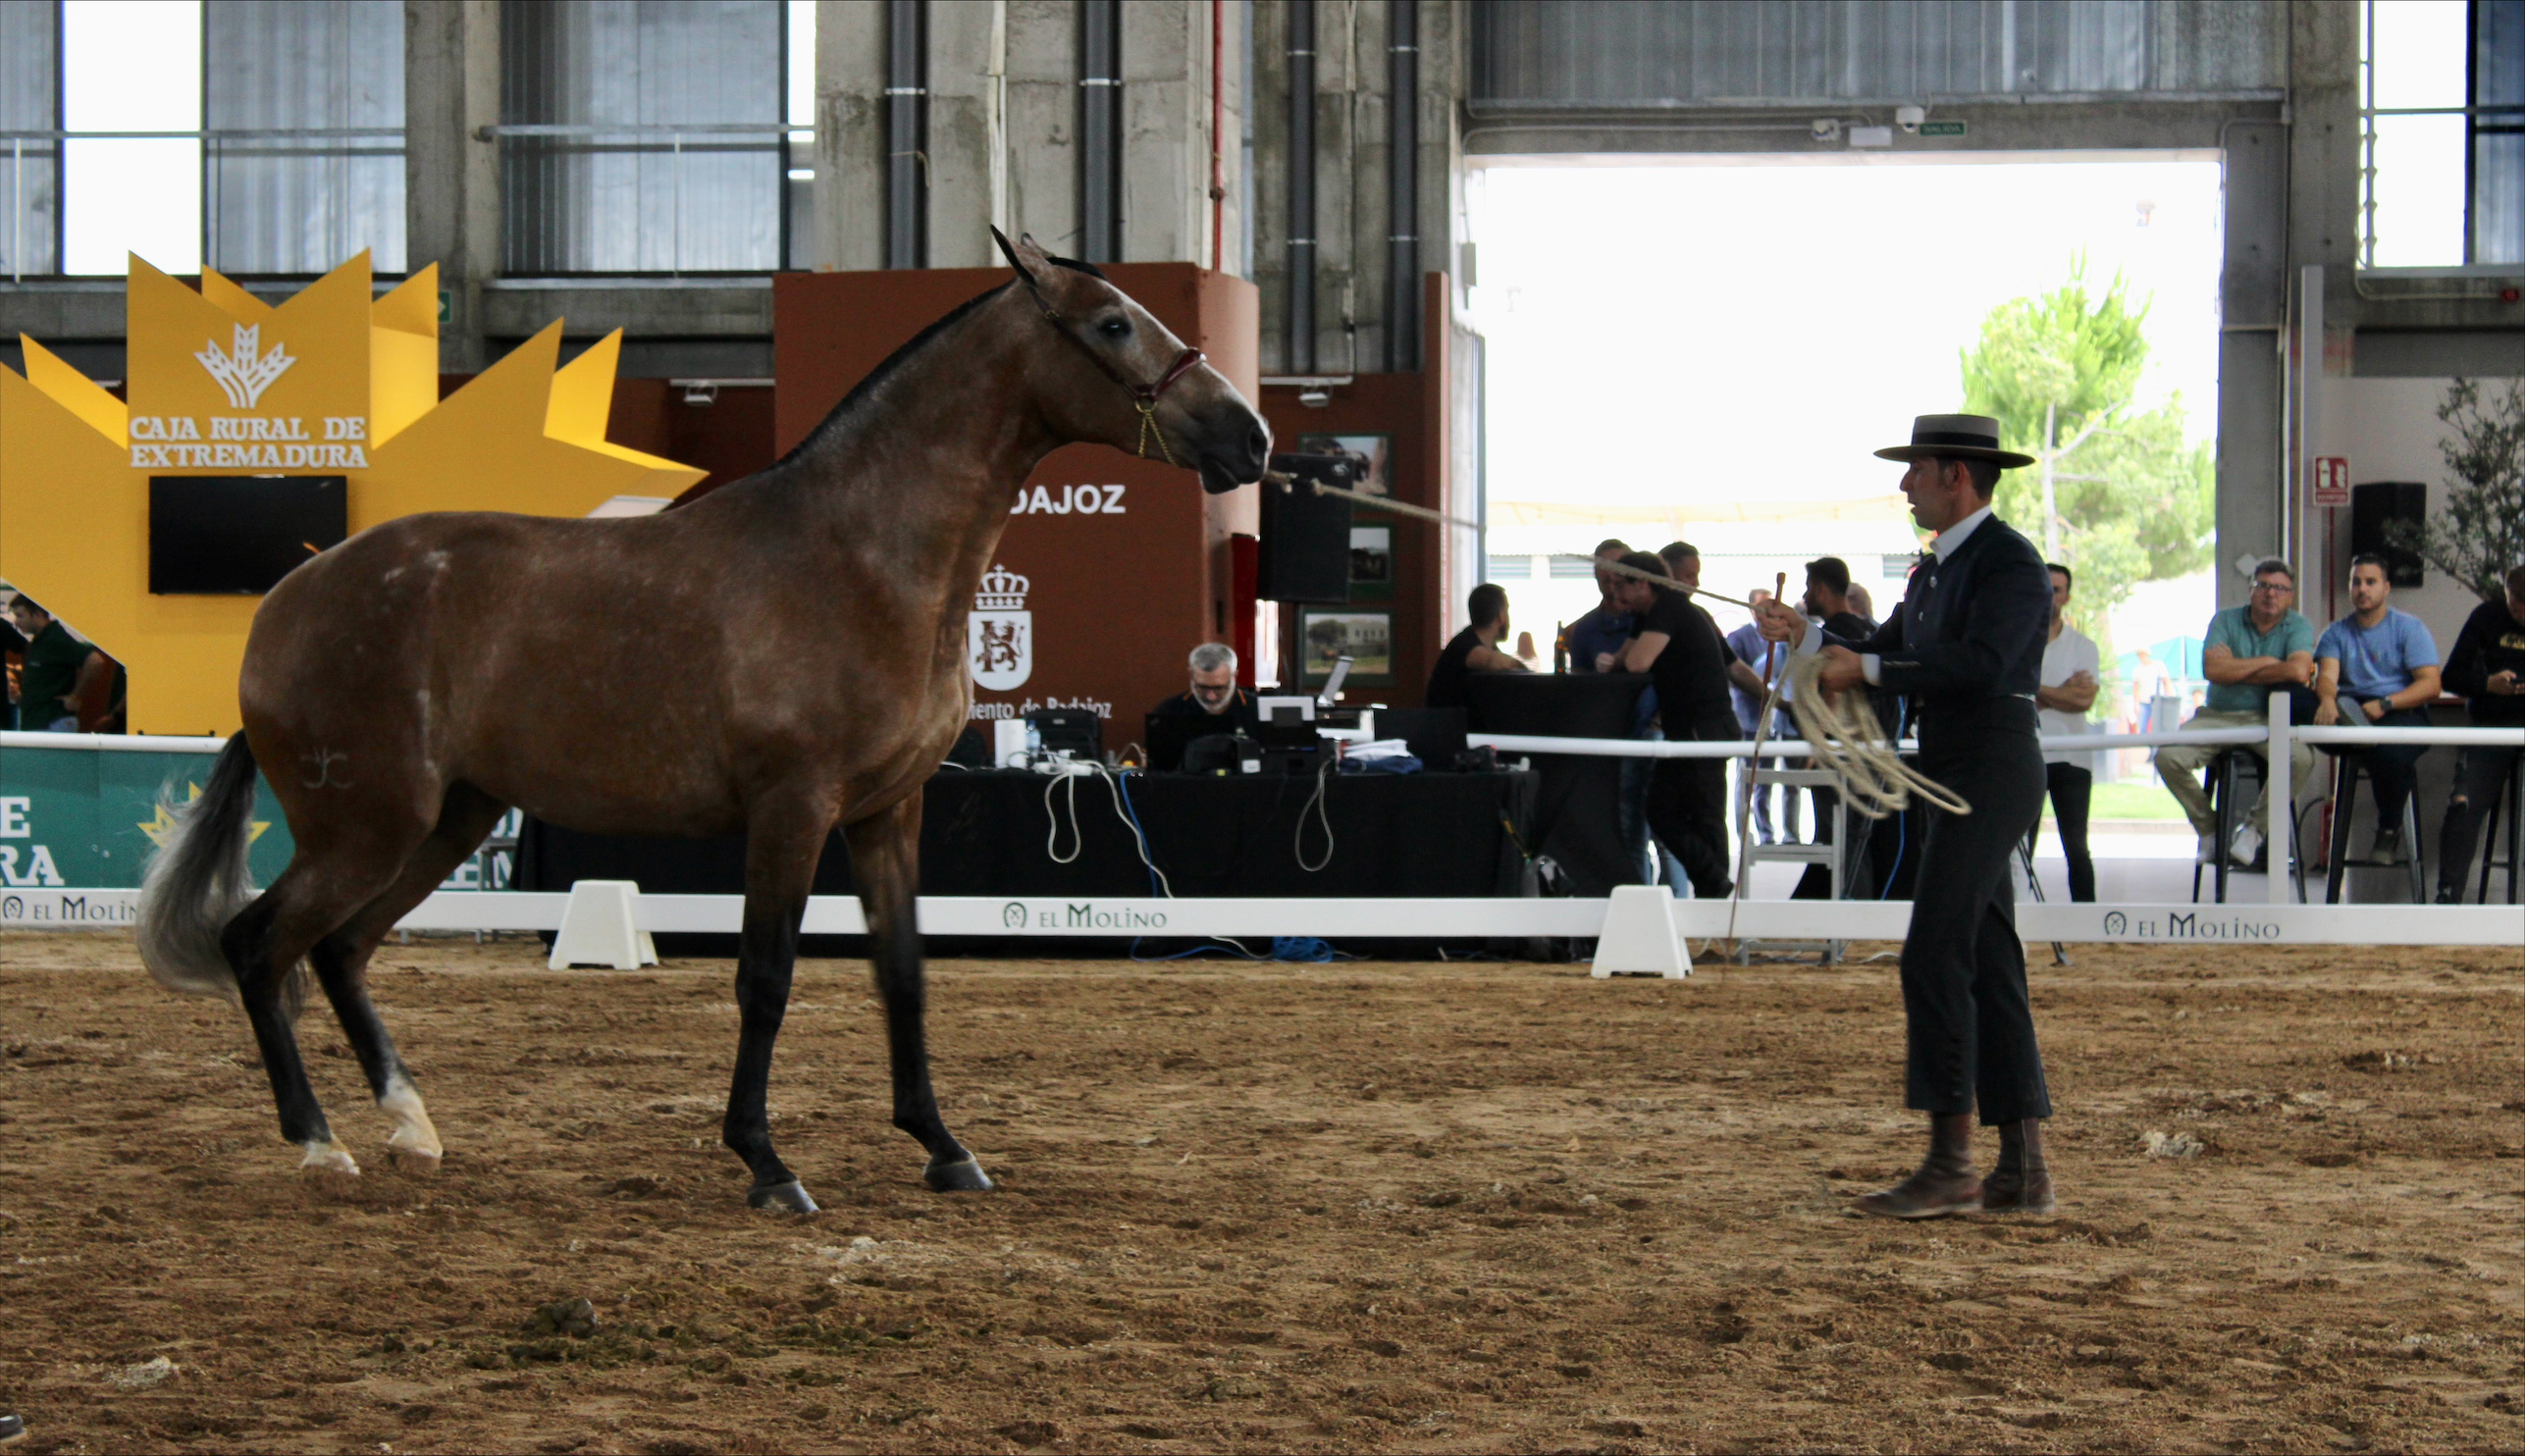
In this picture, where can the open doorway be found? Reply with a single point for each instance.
(1709, 348)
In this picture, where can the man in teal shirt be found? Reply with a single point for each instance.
(2250, 652)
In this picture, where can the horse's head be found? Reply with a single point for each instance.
(1143, 390)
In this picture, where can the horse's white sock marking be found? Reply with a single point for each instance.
(327, 1156)
(414, 1136)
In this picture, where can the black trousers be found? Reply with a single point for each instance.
(2479, 776)
(1970, 1019)
(1688, 815)
(2070, 788)
(2392, 769)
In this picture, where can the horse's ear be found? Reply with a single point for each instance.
(1023, 256)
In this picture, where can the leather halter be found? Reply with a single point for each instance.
(1143, 397)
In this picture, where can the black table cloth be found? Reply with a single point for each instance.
(984, 833)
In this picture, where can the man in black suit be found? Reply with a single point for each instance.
(1966, 648)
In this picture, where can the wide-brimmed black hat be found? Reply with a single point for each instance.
(1956, 437)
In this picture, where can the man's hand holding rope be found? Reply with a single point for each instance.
(1841, 670)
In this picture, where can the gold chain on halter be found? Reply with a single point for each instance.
(1148, 426)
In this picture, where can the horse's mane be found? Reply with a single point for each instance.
(912, 345)
(877, 376)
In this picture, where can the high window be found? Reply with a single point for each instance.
(253, 136)
(2442, 145)
(643, 135)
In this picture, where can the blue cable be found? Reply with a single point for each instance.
(1306, 947)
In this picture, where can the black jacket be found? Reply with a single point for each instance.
(2491, 641)
(1970, 629)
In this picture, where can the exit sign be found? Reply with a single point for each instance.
(446, 306)
(1941, 129)
(2331, 477)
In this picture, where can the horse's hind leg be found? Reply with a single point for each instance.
(885, 865)
(783, 841)
(264, 945)
(340, 961)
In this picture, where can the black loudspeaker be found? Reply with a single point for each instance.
(1305, 553)
(2372, 507)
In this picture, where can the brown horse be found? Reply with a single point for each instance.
(784, 656)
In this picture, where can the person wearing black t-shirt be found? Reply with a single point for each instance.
(1828, 600)
(2487, 667)
(1685, 659)
(1474, 650)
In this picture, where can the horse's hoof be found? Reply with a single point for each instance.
(327, 1162)
(413, 1161)
(964, 1175)
(781, 1198)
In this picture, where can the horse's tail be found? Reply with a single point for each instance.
(197, 882)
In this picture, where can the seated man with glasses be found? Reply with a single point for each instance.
(2249, 654)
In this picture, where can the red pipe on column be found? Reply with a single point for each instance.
(1217, 180)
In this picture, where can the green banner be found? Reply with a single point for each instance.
(89, 819)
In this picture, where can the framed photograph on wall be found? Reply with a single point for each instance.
(1372, 563)
(1366, 638)
(1379, 448)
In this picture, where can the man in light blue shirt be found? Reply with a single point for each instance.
(2378, 665)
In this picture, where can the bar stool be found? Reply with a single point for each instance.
(2221, 776)
(2510, 802)
(2347, 769)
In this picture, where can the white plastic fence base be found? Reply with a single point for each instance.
(1640, 935)
(601, 926)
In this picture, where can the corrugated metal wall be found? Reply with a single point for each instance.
(1625, 55)
(303, 204)
(30, 167)
(635, 200)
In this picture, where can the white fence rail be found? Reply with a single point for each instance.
(1076, 916)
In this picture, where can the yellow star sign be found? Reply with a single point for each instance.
(160, 821)
(334, 381)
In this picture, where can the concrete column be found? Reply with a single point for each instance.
(2253, 314)
(451, 172)
(2323, 228)
(850, 134)
(1042, 121)
(967, 54)
(1165, 114)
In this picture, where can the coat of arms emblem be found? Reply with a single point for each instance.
(999, 635)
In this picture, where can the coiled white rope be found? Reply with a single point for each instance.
(1847, 740)
(1844, 738)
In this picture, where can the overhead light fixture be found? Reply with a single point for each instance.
(701, 396)
(1315, 399)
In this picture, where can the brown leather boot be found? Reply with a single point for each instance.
(2022, 1183)
(1943, 1184)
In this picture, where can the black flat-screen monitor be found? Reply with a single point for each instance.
(238, 535)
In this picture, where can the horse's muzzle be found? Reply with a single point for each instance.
(1236, 454)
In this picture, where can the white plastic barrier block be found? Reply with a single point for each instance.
(1640, 935)
(601, 926)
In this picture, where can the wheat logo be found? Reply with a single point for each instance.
(242, 372)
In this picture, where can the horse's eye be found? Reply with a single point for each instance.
(1114, 328)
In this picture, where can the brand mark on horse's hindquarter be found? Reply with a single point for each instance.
(324, 760)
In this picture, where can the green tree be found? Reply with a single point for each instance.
(2131, 501)
(2479, 533)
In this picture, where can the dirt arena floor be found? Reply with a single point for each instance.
(1267, 1208)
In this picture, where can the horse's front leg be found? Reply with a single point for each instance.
(885, 865)
(783, 839)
